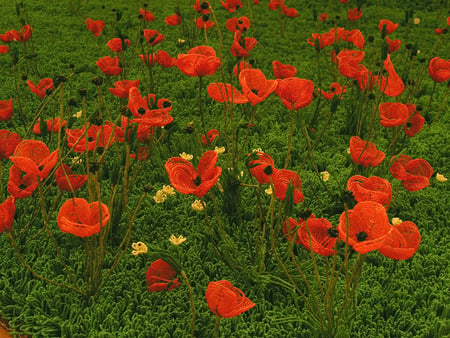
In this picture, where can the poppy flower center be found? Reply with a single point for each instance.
(152, 39)
(205, 17)
(268, 170)
(333, 232)
(408, 125)
(197, 181)
(22, 186)
(166, 104)
(362, 236)
(255, 91)
(204, 5)
(90, 139)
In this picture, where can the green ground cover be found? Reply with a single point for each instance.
(405, 299)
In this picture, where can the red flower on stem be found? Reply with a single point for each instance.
(439, 70)
(295, 93)
(173, 20)
(354, 14)
(203, 22)
(52, 125)
(231, 5)
(164, 59)
(118, 45)
(317, 233)
(23, 35)
(77, 217)
(122, 88)
(281, 179)
(241, 24)
(187, 180)
(8, 143)
(242, 45)
(96, 27)
(7, 211)
(95, 137)
(109, 65)
(372, 188)
(402, 243)
(141, 108)
(365, 153)
(392, 85)
(289, 12)
(323, 17)
(4, 49)
(6, 110)
(21, 185)
(67, 181)
(7, 37)
(415, 122)
(325, 39)
(225, 92)
(255, 86)
(282, 71)
(199, 61)
(210, 136)
(41, 88)
(153, 37)
(225, 300)
(146, 15)
(390, 26)
(393, 114)
(414, 174)
(261, 167)
(354, 36)
(160, 277)
(241, 66)
(335, 89)
(394, 45)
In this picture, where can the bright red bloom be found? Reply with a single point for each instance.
(349, 63)
(148, 59)
(275, 4)
(224, 92)
(122, 88)
(185, 179)
(415, 122)
(34, 157)
(365, 153)
(241, 24)
(225, 300)
(372, 188)
(96, 137)
(203, 22)
(67, 181)
(77, 217)
(394, 45)
(232, 5)
(390, 26)
(146, 15)
(392, 85)
(354, 36)
(41, 88)
(7, 37)
(281, 71)
(354, 14)
(255, 86)
(241, 66)
(95, 27)
(335, 89)
(366, 227)
(439, 70)
(295, 93)
(52, 125)
(23, 35)
(282, 178)
(438, 31)
(173, 20)
(199, 61)
(20, 185)
(323, 17)
(118, 45)
(160, 277)
(153, 37)
(402, 243)
(141, 107)
(319, 236)
(8, 143)
(261, 167)
(109, 65)
(211, 135)
(393, 114)
(164, 59)
(202, 7)
(6, 110)
(414, 174)
(289, 12)
(7, 211)
(242, 46)
(325, 39)
(4, 49)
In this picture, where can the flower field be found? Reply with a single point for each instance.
(235, 168)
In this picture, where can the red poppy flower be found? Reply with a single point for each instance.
(289, 12)
(53, 125)
(255, 86)
(393, 114)
(438, 31)
(109, 65)
(325, 39)
(414, 174)
(232, 5)
(394, 45)
(415, 122)
(282, 178)
(366, 227)
(439, 70)
(95, 137)
(8, 143)
(7, 211)
(199, 61)
(354, 36)
(261, 167)
(146, 15)
(373, 188)
(323, 17)
(203, 22)
(77, 217)
(349, 63)
(202, 7)
(67, 181)
(173, 20)
(241, 24)
(354, 14)
(160, 277)
(6, 110)
(7, 37)
(122, 88)
(281, 71)
(34, 157)
(448, 20)
(211, 135)
(335, 89)
(241, 66)
(118, 45)
(4, 49)
(295, 93)
(275, 4)
(225, 92)
(242, 46)
(41, 88)
(95, 27)
(402, 243)
(148, 59)
(153, 37)
(187, 180)
(225, 300)
(392, 85)
(319, 236)
(20, 184)
(140, 107)
(24, 34)
(165, 60)
(365, 153)
(390, 26)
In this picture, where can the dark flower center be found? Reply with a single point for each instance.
(333, 232)
(22, 186)
(167, 104)
(205, 17)
(90, 139)
(197, 181)
(361, 237)
(268, 170)
(408, 125)
(153, 38)
(255, 91)
(204, 5)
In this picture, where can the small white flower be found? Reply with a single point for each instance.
(324, 176)
(139, 248)
(78, 114)
(441, 178)
(416, 21)
(197, 205)
(187, 157)
(77, 160)
(181, 41)
(219, 150)
(177, 240)
(348, 150)
(160, 196)
(269, 191)
(258, 150)
(167, 189)
(396, 220)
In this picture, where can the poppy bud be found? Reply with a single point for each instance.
(15, 56)
(18, 9)
(419, 107)
(317, 45)
(103, 7)
(100, 150)
(371, 96)
(289, 199)
(384, 49)
(72, 66)
(31, 56)
(96, 120)
(82, 92)
(445, 31)
(59, 79)
(97, 81)
(383, 31)
(370, 38)
(72, 103)
(24, 77)
(408, 46)
(43, 127)
(314, 14)
(347, 198)
(93, 168)
(338, 17)
(140, 16)
(335, 103)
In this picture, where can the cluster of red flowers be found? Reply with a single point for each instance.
(12, 35)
